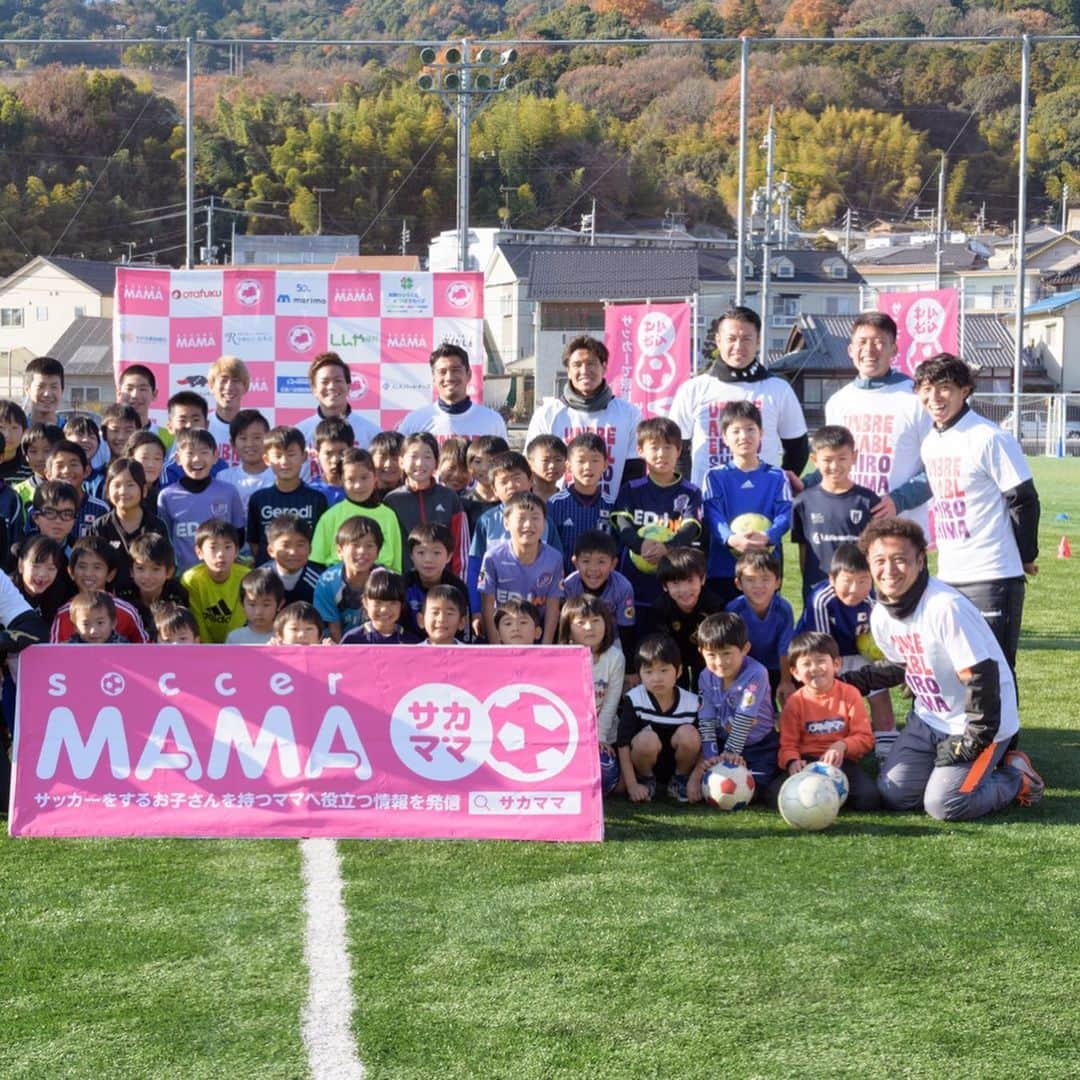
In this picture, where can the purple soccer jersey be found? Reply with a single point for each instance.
(505, 577)
(184, 511)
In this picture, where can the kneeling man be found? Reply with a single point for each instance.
(954, 757)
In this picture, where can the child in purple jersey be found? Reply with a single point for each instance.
(657, 513)
(522, 567)
(509, 473)
(384, 600)
(770, 622)
(196, 496)
(595, 557)
(840, 607)
(737, 719)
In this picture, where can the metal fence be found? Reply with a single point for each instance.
(1049, 423)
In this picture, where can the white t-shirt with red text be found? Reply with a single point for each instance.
(945, 634)
(970, 466)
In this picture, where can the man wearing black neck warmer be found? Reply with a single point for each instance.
(880, 409)
(953, 757)
(737, 375)
(587, 404)
(453, 413)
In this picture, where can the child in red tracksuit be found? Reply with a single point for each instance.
(825, 720)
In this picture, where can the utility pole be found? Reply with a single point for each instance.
(465, 79)
(939, 254)
(847, 232)
(319, 192)
(405, 234)
(766, 243)
(210, 232)
(588, 224)
(1064, 207)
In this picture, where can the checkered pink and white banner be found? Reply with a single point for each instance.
(383, 325)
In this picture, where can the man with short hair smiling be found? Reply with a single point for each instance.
(986, 508)
(452, 413)
(738, 375)
(880, 409)
(953, 757)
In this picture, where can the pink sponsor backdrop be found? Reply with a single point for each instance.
(358, 741)
(927, 323)
(649, 353)
(384, 325)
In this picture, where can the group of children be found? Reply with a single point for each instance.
(125, 532)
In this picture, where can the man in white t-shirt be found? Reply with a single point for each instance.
(588, 404)
(330, 379)
(986, 508)
(953, 756)
(738, 375)
(229, 380)
(880, 409)
(452, 413)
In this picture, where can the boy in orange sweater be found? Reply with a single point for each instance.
(825, 720)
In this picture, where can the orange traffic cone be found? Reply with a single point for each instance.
(1064, 550)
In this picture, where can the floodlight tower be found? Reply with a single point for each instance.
(466, 78)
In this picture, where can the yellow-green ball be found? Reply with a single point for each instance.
(650, 532)
(868, 647)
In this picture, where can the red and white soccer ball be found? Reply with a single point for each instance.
(809, 801)
(727, 786)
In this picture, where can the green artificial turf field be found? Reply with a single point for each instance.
(690, 944)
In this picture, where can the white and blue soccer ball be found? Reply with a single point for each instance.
(834, 774)
(609, 772)
(809, 801)
(727, 786)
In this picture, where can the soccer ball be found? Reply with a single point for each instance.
(834, 774)
(868, 647)
(809, 801)
(747, 523)
(650, 532)
(609, 772)
(727, 786)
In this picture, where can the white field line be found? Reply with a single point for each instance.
(326, 1022)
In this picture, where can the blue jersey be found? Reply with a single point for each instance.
(337, 601)
(645, 505)
(574, 514)
(415, 594)
(730, 492)
(826, 613)
(366, 634)
(822, 520)
(616, 593)
(770, 635)
(739, 715)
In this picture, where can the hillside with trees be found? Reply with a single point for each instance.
(92, 143)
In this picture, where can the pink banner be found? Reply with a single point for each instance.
(383, 325)
(360, 741)
(927, 323)
(649, 347)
